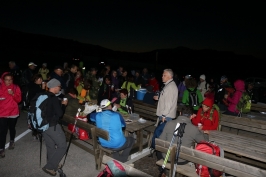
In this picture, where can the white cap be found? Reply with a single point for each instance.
(105, 103)
(202, 77)
(31, 63)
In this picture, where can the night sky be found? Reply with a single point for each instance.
(141, 26)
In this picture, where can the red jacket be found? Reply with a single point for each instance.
(9, 105)
(204, 119)
(154, 83)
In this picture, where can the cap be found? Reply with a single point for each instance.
(202, 77)
(105, 103)
(53, 83)
(208, 102)
(31, 63)
(59, 67)
(124, 91)
(223, 77)
(44, 64)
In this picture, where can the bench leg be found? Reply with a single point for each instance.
(149, 138)
(100, 159)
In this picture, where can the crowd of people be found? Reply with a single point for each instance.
(114, 91)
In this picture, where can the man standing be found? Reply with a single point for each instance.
(15, 71)
(69, 78)
(113, 123)
(58, 75)
(54, 136)
(94, 90)
(167, 104)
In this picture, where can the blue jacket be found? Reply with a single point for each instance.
(112, 122)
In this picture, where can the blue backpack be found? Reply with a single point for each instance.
(38, 112)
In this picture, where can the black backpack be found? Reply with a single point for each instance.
(193, 97)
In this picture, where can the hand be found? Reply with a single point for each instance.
(117, 105)
(10, 91)
(43, 85)
(155, 97)
(206, 131)
(163, 119)
(225, 96)
(64, 102)
(193, 115)
(200, 127)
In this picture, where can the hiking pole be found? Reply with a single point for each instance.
(40, 137)
(169, 149)
(69, 143)
(181, 130)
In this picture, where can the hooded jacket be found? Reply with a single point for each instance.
(239, 89)
(9, 103)
(208, 122)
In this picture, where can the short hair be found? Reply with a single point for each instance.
(191, 83)
(170, 71)
(87, 84)
(73, 66)
(73, 91)
(35, 77)
(187, 110)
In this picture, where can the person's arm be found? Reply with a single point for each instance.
(199, 96)
(17, 94)
(124, 85)
(93, 116)
(214, 122)
(133, 85)
(185, 97)
(196, 119)
(122, 120)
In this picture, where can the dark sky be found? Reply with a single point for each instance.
(140, 26)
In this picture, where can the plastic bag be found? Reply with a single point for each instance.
(89, 108)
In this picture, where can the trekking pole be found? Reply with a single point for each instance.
(40, 137)
(180, 133)
(169, 149)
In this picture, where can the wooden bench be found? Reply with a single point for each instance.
(130, 171)
(243, 126)
(258, 107)
(225, 165)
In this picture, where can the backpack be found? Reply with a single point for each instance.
(113, 169)
(244, 103)
(38, 112)
(210, 148)
(193, 97)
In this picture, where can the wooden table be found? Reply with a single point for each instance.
(241, 146)
(255, 115)
(137, 127)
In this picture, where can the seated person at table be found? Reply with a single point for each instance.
(113, 122)
(73, 103)
(192, 133)
(124, 103)
(207, 115)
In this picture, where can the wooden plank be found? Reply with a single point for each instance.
(221, 164)
(244, 127)
(182, 169)
(81, 124)
(131, 171)
(244, 121)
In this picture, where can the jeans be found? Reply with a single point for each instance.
(5, 125)
(56, 146)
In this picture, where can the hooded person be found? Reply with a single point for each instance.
(207, 116)
(235, 98)
(203, 85)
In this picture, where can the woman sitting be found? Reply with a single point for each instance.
(207, 117)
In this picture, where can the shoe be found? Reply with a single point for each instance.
(2, 154)
(50, 172)
(11, 145)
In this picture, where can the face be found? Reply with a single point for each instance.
(32, 67)
(38, 81)
(250, 86)
(11, 65)
(107, 81)
(57, 89)
(122, 95)
(94, 72)
(137, 74)
(201, 80)
(124, 74)
(205, 108)
(115, 74)
(78, 74)
(58, 72)
(166, 76)
(43, 66)
(74, 70)
(8, 80)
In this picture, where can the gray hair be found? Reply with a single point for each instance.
(170, 71)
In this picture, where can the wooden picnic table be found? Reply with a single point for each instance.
(241, 146)
(255, 115)
(137, 127)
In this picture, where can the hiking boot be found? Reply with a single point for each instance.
(11, 145)
(2, 153)
(50, 172)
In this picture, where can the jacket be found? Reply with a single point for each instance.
(185, 98)
(167, 103)
(9, 104)
(239, 89)
(72, 106)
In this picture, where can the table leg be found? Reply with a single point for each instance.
(140, 140)
(126, 133)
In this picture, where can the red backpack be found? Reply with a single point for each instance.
(113, 169)
(210, 148)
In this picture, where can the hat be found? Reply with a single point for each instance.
(105, 103)
(187, 76)
(124, 91)
(53, 83)
(208, 102)
(202, 77)
(59, 67)
(44, 64)
(149, 88)
(31, 63)
(223, 78)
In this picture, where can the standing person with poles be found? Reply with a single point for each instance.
(54, 136)
(191, 134)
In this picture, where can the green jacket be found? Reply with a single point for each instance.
(185, 98)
